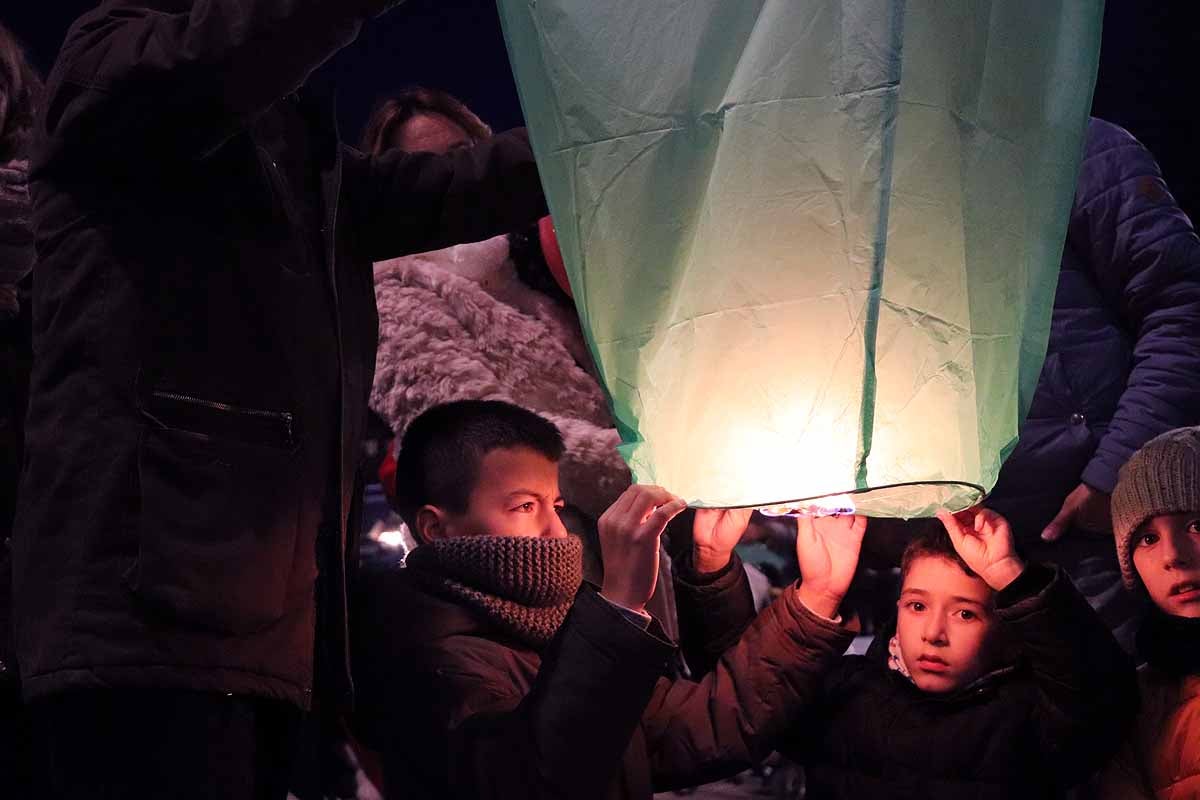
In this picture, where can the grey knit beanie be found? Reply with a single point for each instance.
(1161, 478)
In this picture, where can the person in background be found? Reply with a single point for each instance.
(1156, 520)
(205, 333)
(423, 120)
(514, 680)
(20, 90)
(1122, 366)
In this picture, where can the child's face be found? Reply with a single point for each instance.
(1166, 554)
(945, 625)
(516, 494)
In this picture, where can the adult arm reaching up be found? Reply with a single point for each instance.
(156, 80)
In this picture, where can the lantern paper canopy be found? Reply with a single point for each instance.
(814, 245)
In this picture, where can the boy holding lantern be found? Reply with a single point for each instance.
(508, 678)
(998, 682)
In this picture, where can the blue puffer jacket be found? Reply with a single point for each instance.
(1123, 364)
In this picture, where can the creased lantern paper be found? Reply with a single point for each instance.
(814, 244)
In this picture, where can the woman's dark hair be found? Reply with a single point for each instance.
(392, 113)
(20, 92)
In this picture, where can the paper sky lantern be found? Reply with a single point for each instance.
(814, 245)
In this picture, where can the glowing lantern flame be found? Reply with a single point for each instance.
(838, 505)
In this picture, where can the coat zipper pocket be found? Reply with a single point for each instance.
(190, 414)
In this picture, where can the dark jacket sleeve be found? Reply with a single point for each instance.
(567, 735)
(714, 610)
(1145, 257)
(1084, 685)
(141, 83)
(699, 731)
(401, 203)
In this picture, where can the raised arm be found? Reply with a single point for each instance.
(401, 203)
(712, 593)
(135, 81)
(1085, 687)
(735, 715)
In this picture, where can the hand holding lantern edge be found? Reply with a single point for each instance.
(985, 542)
(715, 533)
(827, 549)
(629, 532)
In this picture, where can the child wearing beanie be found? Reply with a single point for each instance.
(1156, 519)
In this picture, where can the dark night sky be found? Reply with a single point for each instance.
(1146, 78)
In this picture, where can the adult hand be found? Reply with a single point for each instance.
(715, 532)
(984, 540)
(629, 532)
(827, 549)
(1085, 508)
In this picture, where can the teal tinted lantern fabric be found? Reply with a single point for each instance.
(814, 244)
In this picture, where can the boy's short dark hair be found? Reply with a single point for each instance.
(437, 463)
(932, 542)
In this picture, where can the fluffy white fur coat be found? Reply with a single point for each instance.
(458, 324)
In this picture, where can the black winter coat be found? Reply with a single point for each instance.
(1029, 730)
(205, 334)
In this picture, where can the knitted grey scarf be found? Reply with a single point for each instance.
(524, 585)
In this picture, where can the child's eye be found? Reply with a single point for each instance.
(1147, 539)
(967, 615)
(915, 605)
(1194, 526)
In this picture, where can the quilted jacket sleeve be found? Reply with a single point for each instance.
(714, 610)
(1145, 256)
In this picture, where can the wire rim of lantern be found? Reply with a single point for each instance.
(842, 503)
